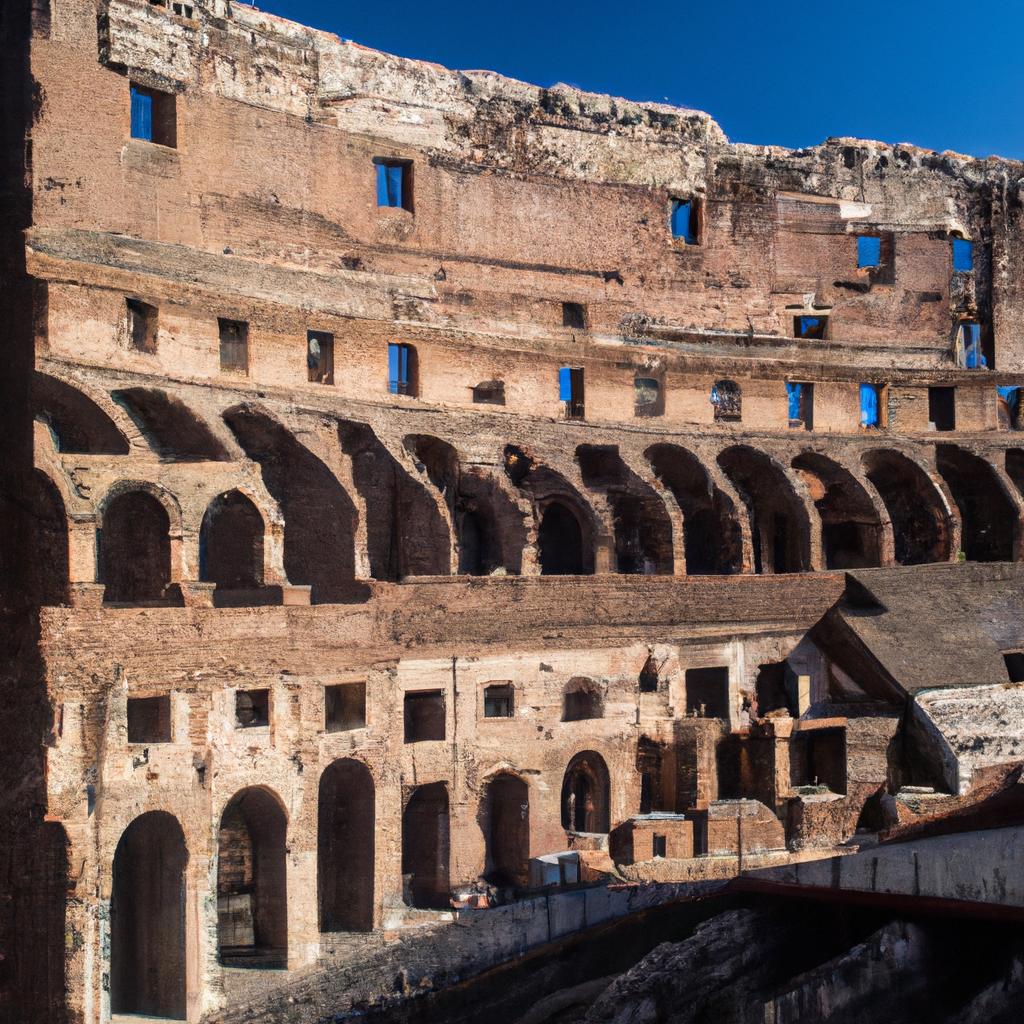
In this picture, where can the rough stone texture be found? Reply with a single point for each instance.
(286, 560)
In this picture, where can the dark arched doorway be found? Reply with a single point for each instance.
(505, 821)
(425, 847)
(987, 514)
(586, 794)
(231, 543)
(252, 897)
(345, 847)
(48, 553)
(135, 549)
(147, 919)
(560, 541)
(920, 523)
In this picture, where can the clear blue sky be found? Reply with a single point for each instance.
(939, 74)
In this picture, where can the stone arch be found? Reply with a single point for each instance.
(921, 523)
(147, 918)
(426, 847)
(78, 424)
(252, 880)
(319, 516)
(134, 546)
(346, 827)
(712, 535)
(779, 525)
(489, 528)
(48, 555)
(173, 430)
(566, 540)
(987, 514)
(231, 543)
(851, 527)
(406, 534)
(582, 698)
(586, 794)
(504, 818)
(642, 526)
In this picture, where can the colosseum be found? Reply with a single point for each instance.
(427, 494)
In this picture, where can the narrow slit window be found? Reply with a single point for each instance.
(570, 391)
(659, 844)
(869, 252)
(684, 219)
(498, 700)
(154, 116)
(234, 345)
(870, 406)
(963, 255)
(394, 183)
(800, 399)
(810, 327)
(402, 367)
(320, 357)
(648, 399)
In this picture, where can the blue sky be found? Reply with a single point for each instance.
(938, 74)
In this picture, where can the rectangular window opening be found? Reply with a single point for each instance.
(570, 391)
(969, 351)
(813, 328)
(345, 707)
(800, 398)
(234, 345)
(869, 252)
(684, 218)
(574, 315)
(182, 10)
(942, 408)
(142, 325)
(252, 709)
(489, 392)
(707, 692)
(659, 845)
(1014, 665)
(402, 369)
(320, 357)
(872, 411)
(394, 183)
(154, 116)
(149, 719)
(498, 700)
(963, 256)
(424, 716)
(648, 397)
(1008, 401)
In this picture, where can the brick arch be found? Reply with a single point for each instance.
(586, 794)
(504, 819)
(989, 516)
(79, 422)
(231, 542)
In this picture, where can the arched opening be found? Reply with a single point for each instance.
(505, 821)
(586, 794)
(851, 530)
(345, 847)
(643, 530)
(425, 848)
(319, 516)
(582, 699)
(48, 539)
(987, 514)
(231, 543)
(920, 524)
(147, 919)
(173, 430)
(779, 529)
(712, 539)
(77, 424)
(560, 540)
(252, 897)
(406, 534)
(135, 549)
